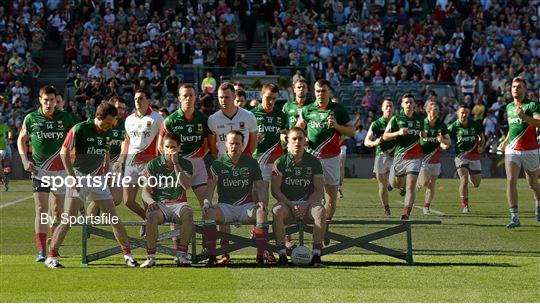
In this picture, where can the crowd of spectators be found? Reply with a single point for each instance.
(478, 46)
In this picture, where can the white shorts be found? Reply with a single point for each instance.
(237, 213)
(172, 211)
(331, 170)
(266, 171)
(529, 159)
(200, 174)
(37, 180)
(433, 169)
(86, 193)
(134, 171)
(382, 164)
(402, 167)
(474, 166)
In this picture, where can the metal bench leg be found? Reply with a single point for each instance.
(409, 244)
(84, 260)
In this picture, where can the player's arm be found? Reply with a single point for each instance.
(347, 129)
(23, 151)
(162, 132)
(389, 132)
(481, 142)
(318, 189)
(212, 145)
(185, 177)
(252, 143)
(262, 193)
(65, 152)
(533, 121)
(275, 187)
(444, 141)
(368, 142)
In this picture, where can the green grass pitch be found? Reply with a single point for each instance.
(469, 258)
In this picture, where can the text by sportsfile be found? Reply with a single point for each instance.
(103, 219)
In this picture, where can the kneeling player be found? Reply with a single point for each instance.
(167, 201)
(90, 140)
(234, 174)
(298, 185)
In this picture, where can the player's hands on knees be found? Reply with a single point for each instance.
(299, 211)
(153, 206)
(205, 208)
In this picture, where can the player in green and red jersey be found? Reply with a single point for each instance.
(293, 109)
(298, 186)
(406, 128)
(384, 150)
(235, 174)
(437, 138)
(325, 122)
(190, 126)
(270, 125)
(46, 130)
(521, 148)
(91, 141)
(167, 201)
(118, 134)
(470, 140)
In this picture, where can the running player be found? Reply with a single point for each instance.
(118, 135)
(46, 129)
(470, 139)
(298, 186)
(437, 138)
(167, 202)
(325, 122)
(521, 148)
(190, 126)
(235, 174)
(138, 148)
(90, 140)
(383, 152)
(406, 128)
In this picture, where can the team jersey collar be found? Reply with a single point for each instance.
(183, 114)
(49, 117)
(231, 161)
(148, 112)
(296, 162)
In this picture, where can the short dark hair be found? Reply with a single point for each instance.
(48, 89)
(105, 109)
(142, 91)
(239, 84)
(463, 105)
(272, 87)
(171, 137)
(164, 110)
(407, 95)
(300, 79)
(240, 93)
(324, 82)
(236, 133)
(226, 86)
(188, 85)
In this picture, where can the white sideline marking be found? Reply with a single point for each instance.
(15, 202)
(431, 210)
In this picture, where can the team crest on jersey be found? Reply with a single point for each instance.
(242, 125)
(199, 127)
(60, 124)
(308, 171)
(244, 172)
